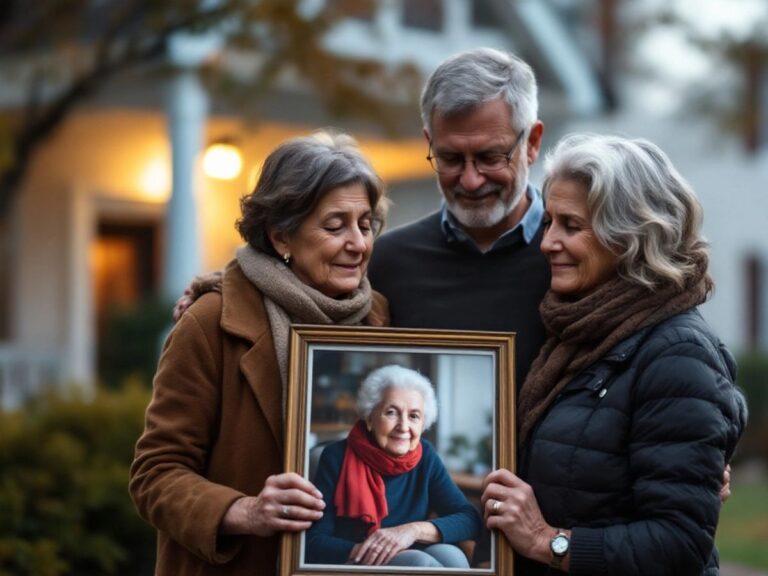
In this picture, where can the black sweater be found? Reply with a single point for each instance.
(433, 283)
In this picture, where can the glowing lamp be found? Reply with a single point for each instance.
(155, 180)
(223, 161)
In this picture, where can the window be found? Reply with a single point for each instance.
(424, 14)
(483, 14)
(124, 264)
(124, 259)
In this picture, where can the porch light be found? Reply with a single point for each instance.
(155, 180)
(222, 160)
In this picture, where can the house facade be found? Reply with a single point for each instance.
(116, 206)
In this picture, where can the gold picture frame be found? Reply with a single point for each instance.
(470, 370)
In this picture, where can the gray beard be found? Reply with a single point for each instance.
(487, 217)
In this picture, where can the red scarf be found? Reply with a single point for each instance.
(360, 490)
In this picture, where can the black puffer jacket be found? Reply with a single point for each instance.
(631, 454)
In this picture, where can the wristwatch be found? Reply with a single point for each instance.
(559, 546)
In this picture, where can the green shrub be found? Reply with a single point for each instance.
(132, 341)
(64, 500)
(752, 377)
(743, 526)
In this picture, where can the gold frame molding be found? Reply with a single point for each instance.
(304, 338)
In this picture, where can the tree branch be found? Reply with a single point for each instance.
(41, 124)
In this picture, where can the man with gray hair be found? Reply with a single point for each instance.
(475, 264)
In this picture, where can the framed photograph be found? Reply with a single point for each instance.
(398, 428)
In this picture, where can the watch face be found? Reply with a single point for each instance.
(559, 545)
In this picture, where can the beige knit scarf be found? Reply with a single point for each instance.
(288, 300)
(582, 331)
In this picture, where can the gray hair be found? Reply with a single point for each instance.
(642, 208)
(296, 176)
(394, 376)
(477, 76)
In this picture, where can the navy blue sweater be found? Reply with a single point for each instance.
(411, 497)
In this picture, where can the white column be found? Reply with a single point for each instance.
(456, 23)
(79, 362)
(187, 112)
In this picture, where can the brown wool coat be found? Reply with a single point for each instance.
(214, 432)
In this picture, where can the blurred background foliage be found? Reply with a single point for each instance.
(82, 45)
(743, 527)
(132, 342)
(64, 502)
(752, 377)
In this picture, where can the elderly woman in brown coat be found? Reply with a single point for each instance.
(208, 469)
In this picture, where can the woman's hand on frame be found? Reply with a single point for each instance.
(511, 506)
(288, 503)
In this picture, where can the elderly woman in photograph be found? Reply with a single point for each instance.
(629, 414)
(389, 499)
(207, 470)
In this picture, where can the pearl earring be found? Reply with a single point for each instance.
(287, 258)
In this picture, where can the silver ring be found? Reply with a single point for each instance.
(285, 511)
(496, 507)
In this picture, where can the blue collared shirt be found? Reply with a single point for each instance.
(528, 225)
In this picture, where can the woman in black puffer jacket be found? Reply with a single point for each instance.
(629, 414)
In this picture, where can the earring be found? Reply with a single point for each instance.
(287, 258)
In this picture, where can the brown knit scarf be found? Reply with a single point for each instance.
(288, 300)
(583, 331)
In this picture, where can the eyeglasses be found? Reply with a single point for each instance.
(484, 162)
